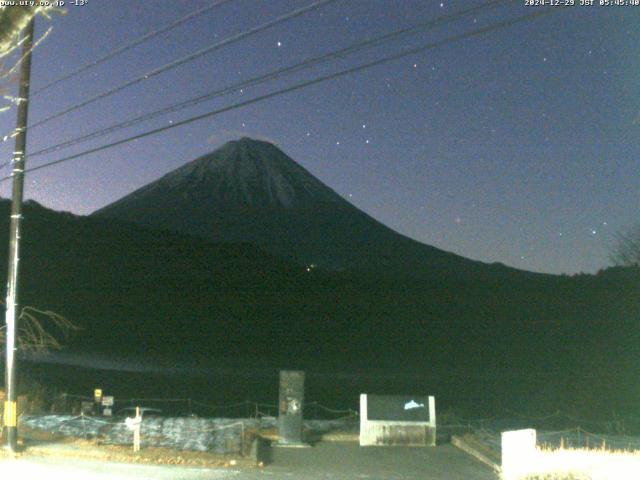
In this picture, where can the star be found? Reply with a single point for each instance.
(279, 44)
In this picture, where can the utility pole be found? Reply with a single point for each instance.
(12, 315)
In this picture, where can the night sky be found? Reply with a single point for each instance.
(518, 146)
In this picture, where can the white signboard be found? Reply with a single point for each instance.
(518, 452)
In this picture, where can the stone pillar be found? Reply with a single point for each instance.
(290, 408)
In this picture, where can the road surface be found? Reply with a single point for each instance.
(330, 461)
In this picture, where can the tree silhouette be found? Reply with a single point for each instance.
(626, 251)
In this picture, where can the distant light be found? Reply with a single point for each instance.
(279, 44)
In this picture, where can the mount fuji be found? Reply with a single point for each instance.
(250, 191)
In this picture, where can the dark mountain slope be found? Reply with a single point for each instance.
(171, 297)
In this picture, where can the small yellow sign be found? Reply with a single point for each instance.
(97, 394)
(10, 414)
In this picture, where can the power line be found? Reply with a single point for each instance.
(186, 59)
(133, 44)
(387, 59)
(372, 42)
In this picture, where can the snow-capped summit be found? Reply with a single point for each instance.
(241, 174)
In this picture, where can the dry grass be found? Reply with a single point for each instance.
(579, 464)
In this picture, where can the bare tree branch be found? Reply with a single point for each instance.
(12, 21)
(13, 69)
(41, 330)
(626, 251)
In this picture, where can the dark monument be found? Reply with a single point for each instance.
(290, 408)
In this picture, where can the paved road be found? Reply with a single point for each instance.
(330, 461)
(66, 469)
(348, 461)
